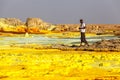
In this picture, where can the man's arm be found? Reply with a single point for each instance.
(82, 28)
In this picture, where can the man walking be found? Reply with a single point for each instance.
(82, 30)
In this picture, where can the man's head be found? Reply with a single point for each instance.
(81, 20)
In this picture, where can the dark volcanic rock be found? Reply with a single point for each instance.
(110, 45)
(104, 45)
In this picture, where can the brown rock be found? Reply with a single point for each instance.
(33, 22)
(111, 45)
(13, 21)
(36, 22)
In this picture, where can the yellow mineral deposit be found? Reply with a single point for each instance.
(32, 64)
(26, 34)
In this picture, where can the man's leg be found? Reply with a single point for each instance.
(81, 39)
(80, 43)
(86, 43)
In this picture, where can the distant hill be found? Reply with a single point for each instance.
(37, 25)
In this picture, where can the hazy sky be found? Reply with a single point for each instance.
(63, 11)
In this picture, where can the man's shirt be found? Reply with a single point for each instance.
(82, 26)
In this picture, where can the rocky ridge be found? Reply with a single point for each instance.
(36, 25)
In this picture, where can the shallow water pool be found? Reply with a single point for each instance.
(44, 40)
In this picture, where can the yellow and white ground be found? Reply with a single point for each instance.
(53, 64)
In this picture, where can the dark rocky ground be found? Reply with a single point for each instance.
(104, 45)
